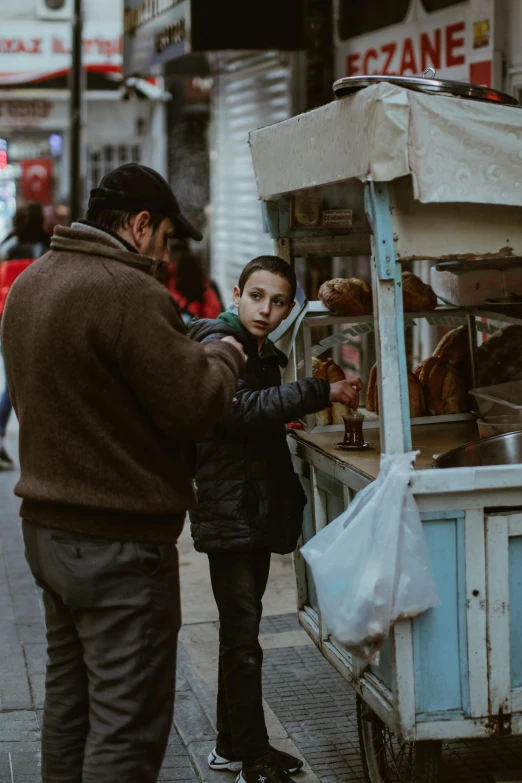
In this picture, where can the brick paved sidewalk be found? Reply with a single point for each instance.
(311, 701)
(317, 709)
(22, 660)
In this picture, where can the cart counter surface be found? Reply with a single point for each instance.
(430, 439)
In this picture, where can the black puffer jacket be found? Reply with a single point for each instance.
(248, 494)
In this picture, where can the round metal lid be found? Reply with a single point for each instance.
(351, 84)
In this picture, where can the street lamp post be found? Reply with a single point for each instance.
(76, 113)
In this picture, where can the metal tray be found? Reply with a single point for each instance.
(351, 84)
(497, 450)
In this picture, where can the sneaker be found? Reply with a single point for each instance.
(217, 762)
(6, 463)
(289, 763)
(265, 770)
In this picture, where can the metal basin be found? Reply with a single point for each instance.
(497, 450)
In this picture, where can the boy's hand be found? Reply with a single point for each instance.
(346, 392)
(235, 343)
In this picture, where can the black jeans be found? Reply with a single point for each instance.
(239, 582)
(112, 614)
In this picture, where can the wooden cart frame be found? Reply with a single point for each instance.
(455, 671)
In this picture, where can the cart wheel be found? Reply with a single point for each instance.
(386, 760)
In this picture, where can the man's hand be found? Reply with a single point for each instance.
(346, 392)
(236, 344)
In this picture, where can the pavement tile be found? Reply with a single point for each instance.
(312, 702)
(23, 657)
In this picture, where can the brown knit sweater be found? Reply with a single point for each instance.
(108, 390)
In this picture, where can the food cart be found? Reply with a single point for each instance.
(400, 175)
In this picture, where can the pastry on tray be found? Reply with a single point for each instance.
(416, 295)
(336, 373)
(444, 386)
(331, 372)
(454, 346)
(320, 370)
(347, 296)
(416, 394)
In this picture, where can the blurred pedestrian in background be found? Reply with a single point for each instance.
(26, 241)
(28, 237)
(189, 285)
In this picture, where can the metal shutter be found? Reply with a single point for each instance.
(250, 91)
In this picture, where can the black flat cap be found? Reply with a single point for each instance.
(133, 188)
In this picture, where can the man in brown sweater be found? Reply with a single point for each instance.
(110, 394)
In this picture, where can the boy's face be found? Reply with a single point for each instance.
(264, 303)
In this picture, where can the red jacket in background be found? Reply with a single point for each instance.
(209, 307)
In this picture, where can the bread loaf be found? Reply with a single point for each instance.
(416, 394)
(372, 401)
(454, 346)
(349, 296)
(320, 370)
(422, 370)
(445, 389)
(416, 295)
(417, 397)
(500, 357)
(336, 373)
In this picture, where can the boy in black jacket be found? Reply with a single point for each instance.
(250, 504)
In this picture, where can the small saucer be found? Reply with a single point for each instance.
(345, 447)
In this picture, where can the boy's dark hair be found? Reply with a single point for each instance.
(272, 264)
(114, 219)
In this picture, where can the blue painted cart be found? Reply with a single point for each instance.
(400, 176)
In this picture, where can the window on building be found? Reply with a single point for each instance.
(438, 5)
(357, 17)
(103, 158)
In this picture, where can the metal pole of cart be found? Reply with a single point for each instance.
(76, 113)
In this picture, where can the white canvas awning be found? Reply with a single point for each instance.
(455, 150)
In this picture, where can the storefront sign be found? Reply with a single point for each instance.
(156, 31)
(37, 180)
(139, 13)
(46, 51)
(38, 113)
(439, 40)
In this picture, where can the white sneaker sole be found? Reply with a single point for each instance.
(218, 764)
(240, 778)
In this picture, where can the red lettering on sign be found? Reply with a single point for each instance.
(352, 64)
(371, 54)
(390, 50)
(408, 62)
(453, 43)
(36, 48)
(480, 73)
(430, 52)
(416, 53)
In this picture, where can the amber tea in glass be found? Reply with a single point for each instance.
(353, 429)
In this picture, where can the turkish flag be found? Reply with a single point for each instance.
(37, 180)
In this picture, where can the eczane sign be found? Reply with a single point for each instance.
(440, 40)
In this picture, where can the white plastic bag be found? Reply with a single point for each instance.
(371, 565)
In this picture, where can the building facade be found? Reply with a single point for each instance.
(35, 60)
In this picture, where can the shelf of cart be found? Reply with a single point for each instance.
(319, 315)
(372, 420)
(428, 439)
(502, 314)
